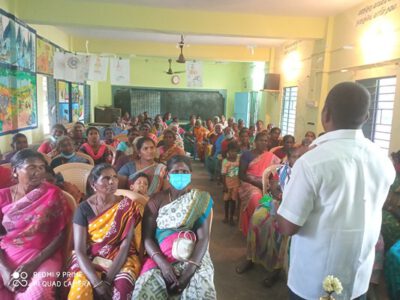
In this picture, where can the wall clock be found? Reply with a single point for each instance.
(175, 79)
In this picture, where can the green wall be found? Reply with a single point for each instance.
(150, 72)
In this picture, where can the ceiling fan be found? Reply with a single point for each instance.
(181, 59)
(170, 72)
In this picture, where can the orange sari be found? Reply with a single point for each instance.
(201, 134)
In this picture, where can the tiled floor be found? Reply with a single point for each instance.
(227, 248)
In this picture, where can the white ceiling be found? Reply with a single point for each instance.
(144, 36)
(320, 8)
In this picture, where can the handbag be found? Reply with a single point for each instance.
(182, 247)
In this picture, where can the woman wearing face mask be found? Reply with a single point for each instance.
(94, 148)
(169, 212)
(146, 163)
(34, 222)
(67, 154)
(57, 131)
(105, 263)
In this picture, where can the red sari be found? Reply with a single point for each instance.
(103, 155)
(250, 194)
(30, 225)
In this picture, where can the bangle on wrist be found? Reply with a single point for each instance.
(154, 254)
(98, 284)
(194, 263)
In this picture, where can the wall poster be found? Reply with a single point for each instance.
(63, 102)
(44, 56)
(77, 95)
(18, 99)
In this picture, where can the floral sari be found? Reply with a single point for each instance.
(250, 194)
(106, 232)
(188, 212)
(172, 151)
(265, 244)
(30, 225)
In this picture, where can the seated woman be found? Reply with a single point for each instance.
(146, 163)
(34, 217)
(179, 209)
(77, 135)
(49, 147)
(188, 138)
(19, 142)
(282, 151)
(67, 154)
(108, 135)
(159, 126)
(105, 262)
(126, 151)
(252, 165)
(145, 129)
(169, 147)
(178, 131)
(274, 136)
(94, 148)
(265, 245)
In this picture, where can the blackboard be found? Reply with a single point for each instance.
(181, 103)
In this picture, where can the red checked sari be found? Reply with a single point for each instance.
(30, 225)
(250, 194)
(106, 232)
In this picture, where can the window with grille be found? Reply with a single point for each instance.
(288, 115)
(378, 128)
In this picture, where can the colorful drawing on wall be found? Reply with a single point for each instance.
(7, 37)
(77, 102)
(25, 47)
(7, 104)
(63, 102)
(44, 56)
(25, 94)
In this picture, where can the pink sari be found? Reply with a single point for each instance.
(30, 225)
(250, 194)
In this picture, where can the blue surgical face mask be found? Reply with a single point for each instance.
(180, 181)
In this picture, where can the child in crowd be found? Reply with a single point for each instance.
(231, 182)
(140, 183)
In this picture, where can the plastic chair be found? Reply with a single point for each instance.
(114, 152)
(76, 173)
(85, 156)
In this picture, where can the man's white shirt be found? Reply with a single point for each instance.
(336, 194)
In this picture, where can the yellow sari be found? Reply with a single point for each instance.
(106, 232)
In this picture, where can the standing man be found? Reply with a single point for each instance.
(333, 203)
